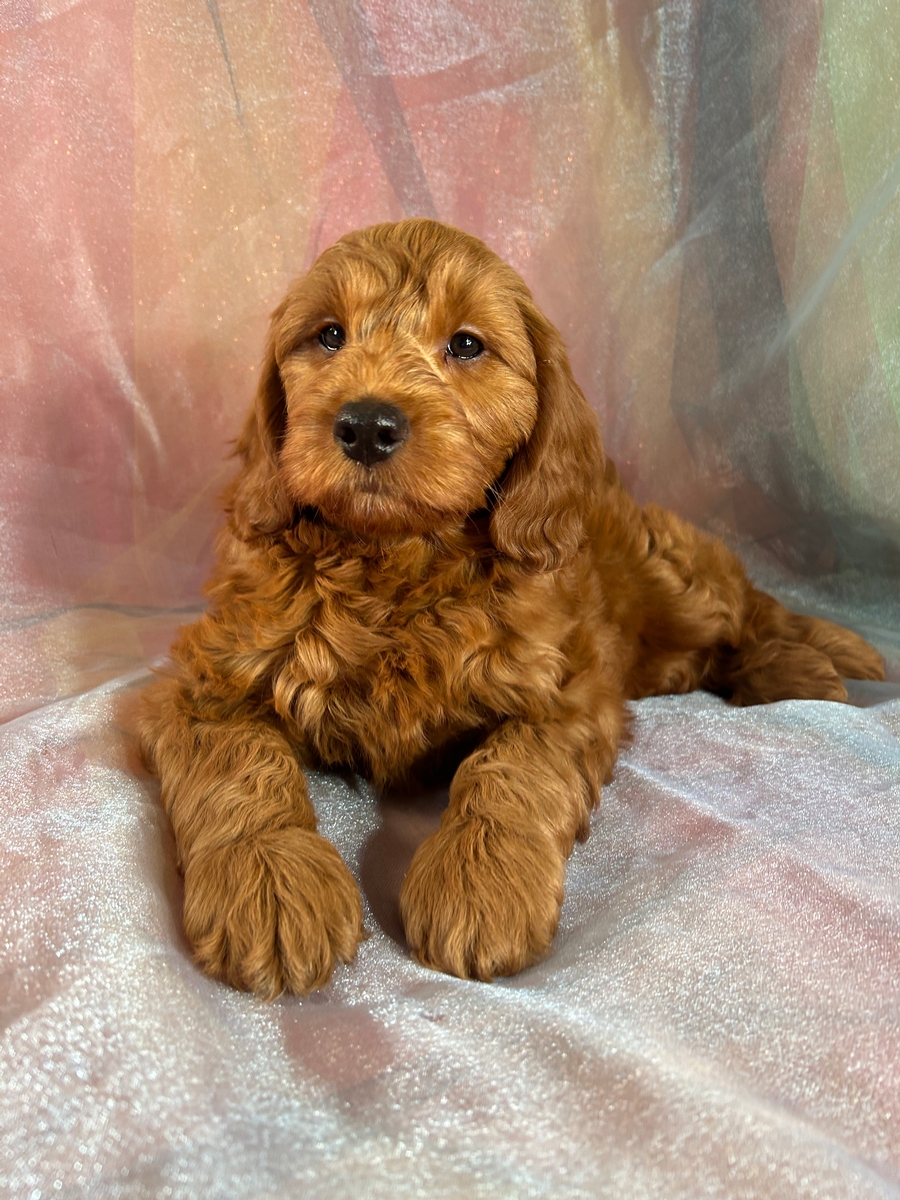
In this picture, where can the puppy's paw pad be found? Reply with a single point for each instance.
(480, 900)
(272, 913)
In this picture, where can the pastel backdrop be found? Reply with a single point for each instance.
(704, 195)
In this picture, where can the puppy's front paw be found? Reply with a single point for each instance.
(480, 900)
(272, 913)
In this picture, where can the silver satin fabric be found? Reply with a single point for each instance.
(718, 1015)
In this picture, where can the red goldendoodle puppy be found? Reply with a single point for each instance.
(426, 542)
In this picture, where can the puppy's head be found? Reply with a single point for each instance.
(410, 381)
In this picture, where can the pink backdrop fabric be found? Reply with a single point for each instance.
(703, 195)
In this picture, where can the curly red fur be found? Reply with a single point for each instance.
(490, 578)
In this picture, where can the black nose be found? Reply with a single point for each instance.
(369, 431)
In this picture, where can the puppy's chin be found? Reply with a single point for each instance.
(374, 514)
(411, 496)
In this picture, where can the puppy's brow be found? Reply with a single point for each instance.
(402, 305)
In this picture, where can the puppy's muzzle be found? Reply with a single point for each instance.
(369, 431)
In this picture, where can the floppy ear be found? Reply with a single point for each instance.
(256, 499)
(544, 497)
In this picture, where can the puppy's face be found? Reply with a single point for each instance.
(409, 379)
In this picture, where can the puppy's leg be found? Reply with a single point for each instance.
(782, 655)
(268, 904)
(705, 625)
(483, 894)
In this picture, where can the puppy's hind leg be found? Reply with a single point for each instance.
(781, 655)
(705, 625)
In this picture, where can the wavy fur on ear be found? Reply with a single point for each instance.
(256, 499)
(539, 518)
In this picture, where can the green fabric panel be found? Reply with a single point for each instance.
(863, 47)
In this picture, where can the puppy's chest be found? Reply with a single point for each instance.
(379, 680)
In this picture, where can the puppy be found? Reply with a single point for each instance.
(425, 543)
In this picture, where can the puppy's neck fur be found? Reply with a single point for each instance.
(408, 557)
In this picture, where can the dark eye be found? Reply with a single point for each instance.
(464, 345)
(332, 337)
